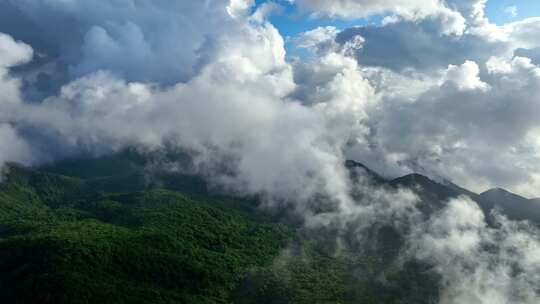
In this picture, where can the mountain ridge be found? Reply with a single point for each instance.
(514, 206)
(117, 232)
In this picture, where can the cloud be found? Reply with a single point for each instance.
(470, 94)
(441, 104)
(392, 46)
(364, 8)
(465, 77)
(533, 54)
(521, 33)
(12, 53)
(511, 11)
(436, 88)
(478, 263)
(366, 108)
(452, 16)
(137, 40)
(321, 38)
(452, 128)
(12, 147)
(234, 111)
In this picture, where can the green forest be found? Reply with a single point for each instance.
(104, 231)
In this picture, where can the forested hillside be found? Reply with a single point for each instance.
(113, 232)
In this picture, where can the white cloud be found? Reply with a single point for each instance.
(445, 103)
(420, 92)
(461, 86)
(359, 106)
(478, 263)
(321, 37)
(364, 8)
(451, 21)
(453, 129)
(238, 8)
(522, 33)
(12, 147)
(13, 53)
(465, 76)
(234, 111)
(511, 11)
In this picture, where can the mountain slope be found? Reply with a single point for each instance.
(61, 243)
(357, 170)
(107, 236)
(512, 205)
(433, 195)
(117, 232)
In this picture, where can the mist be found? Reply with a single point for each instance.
(214, 79)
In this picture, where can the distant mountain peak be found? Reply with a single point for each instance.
(353, 164)
(499, 192)
(374, 176)
(414, 178)
(513, 205)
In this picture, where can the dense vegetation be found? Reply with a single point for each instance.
(63, 241)
(112, 234)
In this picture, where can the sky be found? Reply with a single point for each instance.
(502, 11)
(272, 104)
(443, 88)
(290, 22)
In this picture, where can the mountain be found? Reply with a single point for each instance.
(502, 196)
(118, 229)
(426, 187)
(357, 169)
(434, 195)
(512, 205)
(64, 241)
(108, 230)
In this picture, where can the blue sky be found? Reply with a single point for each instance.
(290, 22)
(496, 10)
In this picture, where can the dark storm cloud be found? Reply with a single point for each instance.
(156, 41)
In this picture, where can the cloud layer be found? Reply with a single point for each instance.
(159, 41)
(444, 104)
(435, 88)
(479, 264)
(235, 109)
(12, 53)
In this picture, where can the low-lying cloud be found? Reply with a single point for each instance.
(235, 108)
(436, 88)
(478, 263)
